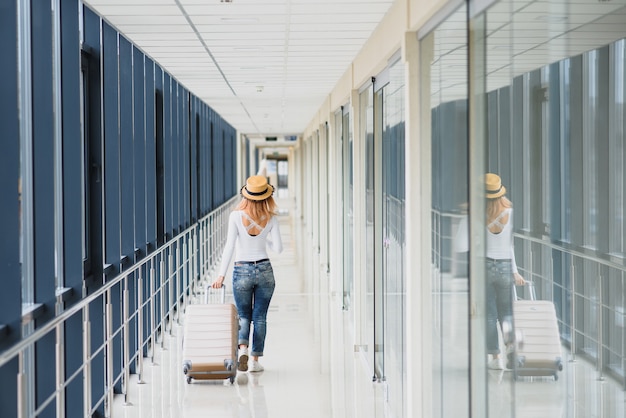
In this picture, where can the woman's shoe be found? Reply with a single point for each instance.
(255, 366)
(242, 364)
(495, 364)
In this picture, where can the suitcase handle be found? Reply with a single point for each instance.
(531, 290)
(212, 295)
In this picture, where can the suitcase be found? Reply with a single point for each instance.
(538, 349)
(210, 338)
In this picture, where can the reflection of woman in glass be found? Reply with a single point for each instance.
(501, 267)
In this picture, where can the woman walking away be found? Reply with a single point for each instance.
(501, 267)
(253, 227)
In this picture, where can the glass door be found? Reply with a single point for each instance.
(348, 208)
(393, 227)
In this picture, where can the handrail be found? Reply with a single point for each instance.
(12, 351)
(563, 247)
(600, 260)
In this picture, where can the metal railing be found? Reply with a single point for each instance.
(173, 272)
(600, 302)
(583, 267)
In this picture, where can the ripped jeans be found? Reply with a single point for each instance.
(253, 287)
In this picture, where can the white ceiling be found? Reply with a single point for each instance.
(265, 66)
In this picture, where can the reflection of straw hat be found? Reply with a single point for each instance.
(257, 188)
(493, 186)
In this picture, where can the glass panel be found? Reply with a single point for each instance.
(393, 236)
(444, 64)
(379, 301)
(366, 101)
(348, 186)
(554, 80)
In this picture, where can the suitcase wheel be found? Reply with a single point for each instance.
(188, 379)
(559, 366)
(186, 366)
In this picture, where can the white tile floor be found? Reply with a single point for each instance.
(309, 373)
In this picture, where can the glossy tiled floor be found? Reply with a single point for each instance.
(313, 373)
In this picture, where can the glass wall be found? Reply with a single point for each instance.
(546, 86)
(366, 103)
(393, 227)
(348, 207)
(444, 98)
(548, 82)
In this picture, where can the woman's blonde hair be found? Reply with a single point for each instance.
(493, 207)
(259, 210)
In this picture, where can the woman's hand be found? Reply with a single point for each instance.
(217, 283)
(519, 280)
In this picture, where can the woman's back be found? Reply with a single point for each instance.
(499, 229)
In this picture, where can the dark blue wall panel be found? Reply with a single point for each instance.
(10, 211)
(111, 80)
(126, 186)
(139, 153)
(211, 189)
(217, 178)
(43, 189)
(192, 159)
(176, 140)
(112, 177)
(139, 143)
(149, 89)
(159, 126)
(91, 59)
(92, 31)
(72, 192)
(10, 297)
(228, 165)
(126, 149)
(72, 170)
(111, 147)
(167, 146)
(185, 148)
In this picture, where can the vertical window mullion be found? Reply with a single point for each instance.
(616, 145)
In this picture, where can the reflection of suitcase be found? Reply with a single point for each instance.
(210, 340)
(538, 352)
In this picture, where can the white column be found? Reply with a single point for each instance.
(418, 226)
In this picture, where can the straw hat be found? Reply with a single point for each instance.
(493, 186)
(257, 188)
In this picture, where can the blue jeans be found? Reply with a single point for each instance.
(499, 299)
(253, 287)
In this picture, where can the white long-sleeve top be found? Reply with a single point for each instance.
(500, 245)
(249, 247)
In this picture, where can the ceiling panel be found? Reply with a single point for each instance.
(266, 67)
